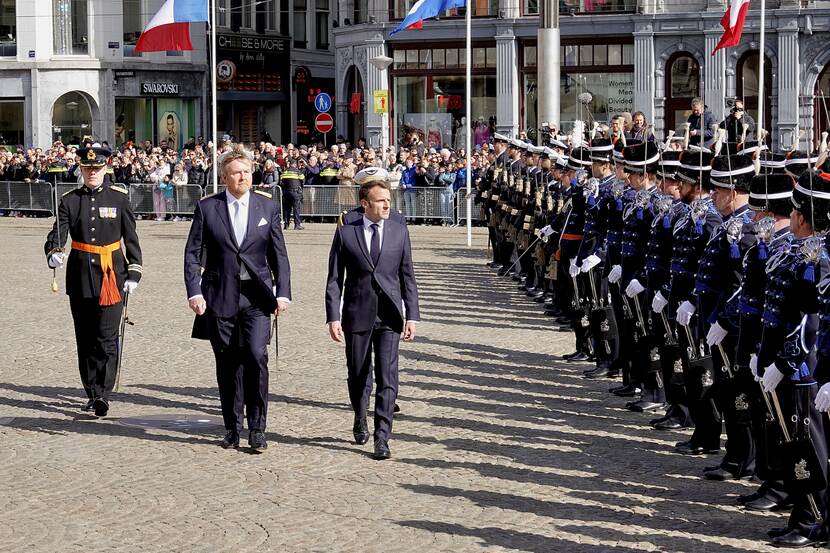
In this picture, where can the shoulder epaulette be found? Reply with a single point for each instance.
(341, 218)
(263, 193)
(119, 189)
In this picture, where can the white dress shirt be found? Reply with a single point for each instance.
(367, 232)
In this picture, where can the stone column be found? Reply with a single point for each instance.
(375, 80)
(788, 86)
(507, 83)
(644, 67)
(714, 71)
(548, 63)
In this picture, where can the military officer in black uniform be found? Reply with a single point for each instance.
(97, 217)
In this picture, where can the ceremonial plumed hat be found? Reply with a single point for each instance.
(695, 167)
(669, 164)
(771, 193)
(618, 151)
(772, 163)
(751, 146)
(641, 158)
(602, 150)
(732, 172)
(371, 174)
(94, 155)
(580, 158)
(813, 187)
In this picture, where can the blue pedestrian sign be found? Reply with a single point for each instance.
(322, 102)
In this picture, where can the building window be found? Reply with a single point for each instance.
(271, 15)
(133, 25)
(223, 16)
(283, 17)
(322, 24)
(443, 58)
(300, 31)
(747, 86)
(71, 118)
(683, 84)
(822, 101)
(361, 11)
(71, 27)
(247, 14)
(11, 122)
(8, 29)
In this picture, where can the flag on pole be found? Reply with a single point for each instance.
(424, 9)
(733, 24)
(170, 27)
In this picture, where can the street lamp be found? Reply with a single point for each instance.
(382, 63)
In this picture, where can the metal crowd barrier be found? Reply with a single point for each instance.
(419, 204)
(461, 208)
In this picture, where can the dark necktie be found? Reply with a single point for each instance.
(374, 251)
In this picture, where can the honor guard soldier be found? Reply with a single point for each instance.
(770, 200)
(690, 235)
(97, 217)
(717, 288)
(786, 360)
(491, 195)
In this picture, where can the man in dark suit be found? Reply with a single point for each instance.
(236, 238)
(370, 268)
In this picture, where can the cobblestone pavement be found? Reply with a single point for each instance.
(500, 445)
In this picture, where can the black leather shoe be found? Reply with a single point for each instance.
(360, 429)
(696, 450)
(382, 450)
(763, 504)
(670, 424)
(627, 391)
(299, 227)
(658, 420)
(647, 406)
(535, 294)
(596, 372)
(720, 474)
(502, 271)
(684, 443)
(779, 531)
(397, 408)
(744, 499)
(616, 389)
(101, 407)
(231, 440)
(580, 356)
(562, 320)
(87, 406)
(256, 439)
(795, 539)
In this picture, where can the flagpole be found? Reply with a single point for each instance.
(760, 124)
(469, 125)
(213, 100)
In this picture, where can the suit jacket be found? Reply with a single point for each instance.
(211, 246)
(370, 291)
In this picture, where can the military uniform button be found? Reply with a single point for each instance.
(92, 239)
(92, 229)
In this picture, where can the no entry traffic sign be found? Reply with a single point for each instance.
(323, 123)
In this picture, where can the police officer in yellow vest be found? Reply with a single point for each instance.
(292, 181)
(99, 270)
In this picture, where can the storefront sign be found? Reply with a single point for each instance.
(381, 98)
(160, 89)
(225, 71)
(123, 74)
(252, 64)
(254, 43)
(114, 45)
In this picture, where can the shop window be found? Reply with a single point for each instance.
(71, 118)
(611, 94)
(615, 54)
(491, 57)
(8, 29)
(322, 24)
(530, 7)
(479, 58)
(399, 59)
(71, 27)
(433, 107)
(11, 122)
(600, 54)
(747, 83)
(425, 59)
(300, 34)
(530, 56)
(452, 59)
(438, 56)
(682, 85)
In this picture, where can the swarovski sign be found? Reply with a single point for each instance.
(164, 89)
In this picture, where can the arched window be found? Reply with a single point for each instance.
(682, 84)
(747, 84)
(71, 118)
(822, 105)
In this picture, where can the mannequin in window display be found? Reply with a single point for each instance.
(433, 133)
(461, 134)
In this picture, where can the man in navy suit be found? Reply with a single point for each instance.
(236, 238)
(370, 268)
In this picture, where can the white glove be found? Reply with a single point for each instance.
(545, 231)
(590, 262)
(823, 398)
(772, 377)
(615, 274)
(658, 303)
(55, 260)
(573, 270)
(684, 313)
(130, 286)
(716, 334)
(753, 367)
(634, 287)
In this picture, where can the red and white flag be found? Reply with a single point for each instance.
(733, 24)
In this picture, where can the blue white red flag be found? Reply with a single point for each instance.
(424, 9)
(170, 27)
